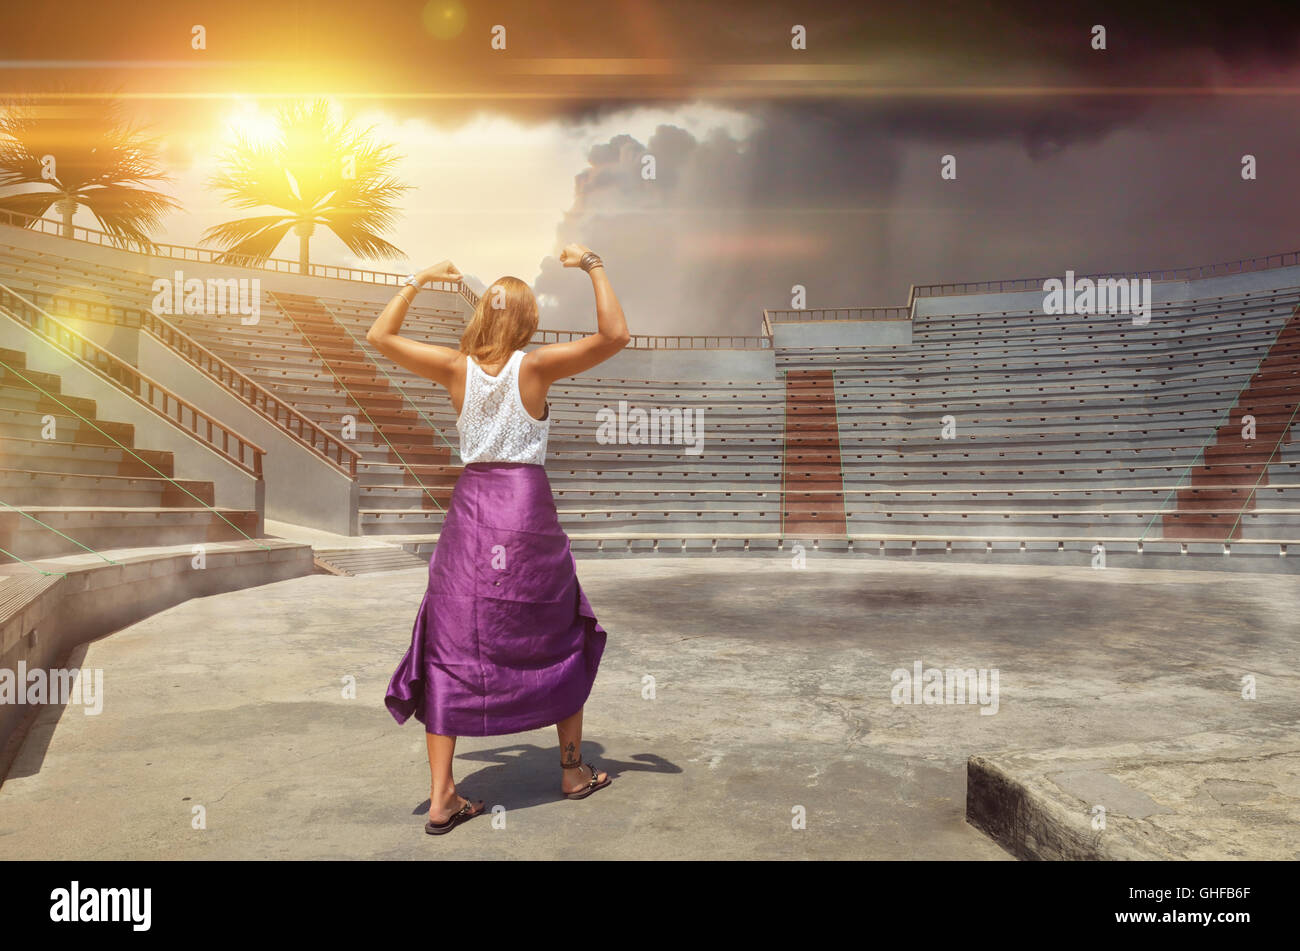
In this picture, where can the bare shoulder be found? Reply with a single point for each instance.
(532, 364)
(458, 364)
(457, 371)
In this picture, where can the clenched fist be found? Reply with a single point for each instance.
(571, 256)
(442, 271)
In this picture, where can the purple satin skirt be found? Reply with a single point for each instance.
(504, 640)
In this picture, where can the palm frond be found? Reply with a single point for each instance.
(127, 213)
(365, 243)
(302, 172)
(36, 204)
(99, 158)
(249, 242)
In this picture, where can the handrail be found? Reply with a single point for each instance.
(361, 275)
(261, 400)
(239, 450)
(182, 252)
(792, 316)
(1241, 266)
(904, 312)
(662, 341)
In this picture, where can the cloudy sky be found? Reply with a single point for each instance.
(773, 166)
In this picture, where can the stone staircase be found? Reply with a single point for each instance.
(1225, 484)
(361, 561)
(404, 452)
(812, 498)
(88, 481)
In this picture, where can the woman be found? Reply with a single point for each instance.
(504, 640)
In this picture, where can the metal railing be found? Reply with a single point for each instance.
(180, 252)
(837, 313)
(666, 342)
(955, 288)
(364, 276)
(1242, 266)
(792, 316)
(275, 410)
(177, 410)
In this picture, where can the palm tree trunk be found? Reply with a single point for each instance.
(304, 229)
(67, 207)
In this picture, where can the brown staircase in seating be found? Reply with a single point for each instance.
(423, 462)
(812, 496)
(1223, 486)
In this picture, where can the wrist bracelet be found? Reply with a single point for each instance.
(590, 260)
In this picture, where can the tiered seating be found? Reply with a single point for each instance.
(613, 490)
(624, 490)
(29, 270)
(731, 489)
(405, 427)
(1066, 426)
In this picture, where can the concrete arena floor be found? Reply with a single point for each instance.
(772, 691)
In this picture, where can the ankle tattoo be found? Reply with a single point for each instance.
(571, 757)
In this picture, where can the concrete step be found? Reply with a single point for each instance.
(25, 487)
(360, 561)
(1208, 795)
(46, 531)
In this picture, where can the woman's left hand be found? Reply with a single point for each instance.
(442, 271)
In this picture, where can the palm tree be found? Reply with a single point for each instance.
(319, 172)
(75, 153)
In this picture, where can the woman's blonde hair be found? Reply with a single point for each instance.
(503, 322)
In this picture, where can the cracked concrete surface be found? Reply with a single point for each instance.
(1210, 795)
(772, 695)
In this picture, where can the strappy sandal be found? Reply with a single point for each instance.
(466, 813)
(591, 786)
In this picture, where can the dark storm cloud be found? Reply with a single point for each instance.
(725, 225)
(855, 212)
(816, 197)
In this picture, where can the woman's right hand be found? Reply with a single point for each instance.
(571, 256)
(442, 271)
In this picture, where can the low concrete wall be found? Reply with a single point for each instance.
(687, 366)
(117, 340)
(194, 459)
(1162, 292)
(1255, 282)
(97, 599)
(842, 333)
(301, 487)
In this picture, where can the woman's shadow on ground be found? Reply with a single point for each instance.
(524, 774)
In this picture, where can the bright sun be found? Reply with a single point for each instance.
(250, 120)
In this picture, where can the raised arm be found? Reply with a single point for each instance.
(427, 359)
(556, 361)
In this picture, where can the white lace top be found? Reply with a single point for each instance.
(493, 424)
